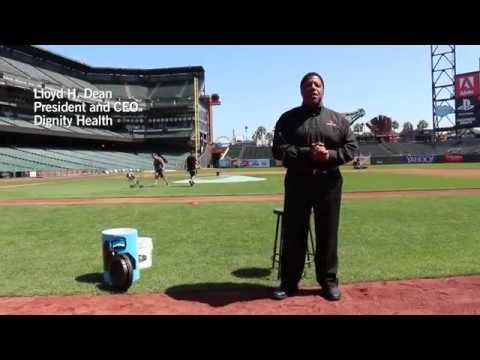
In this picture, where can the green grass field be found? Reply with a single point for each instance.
(111, 186)
(57, 249)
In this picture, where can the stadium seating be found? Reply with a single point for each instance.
(126, 161)
(257, 152)
(20, 123)
(82, 83)
(4, 121)
(42, 155)
(7, 166)
(28, 70)
(27, 161)
(34, 158)
(373, 150)
(118, 90)
(61, 79)
(234, 151)
(137, 91)
(8, 68)
(171, 91)
(409, 148)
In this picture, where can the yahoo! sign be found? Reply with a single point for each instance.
(419, 158)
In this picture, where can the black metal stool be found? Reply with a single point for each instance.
(278, 243)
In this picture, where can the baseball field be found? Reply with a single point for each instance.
(409, 240)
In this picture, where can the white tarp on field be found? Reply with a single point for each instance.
(221, 179)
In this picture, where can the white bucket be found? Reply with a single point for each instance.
(144, 248)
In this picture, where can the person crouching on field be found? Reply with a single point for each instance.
(132, 179)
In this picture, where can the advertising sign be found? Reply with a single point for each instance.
(467, 84)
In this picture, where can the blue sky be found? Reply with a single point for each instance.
(258, 83)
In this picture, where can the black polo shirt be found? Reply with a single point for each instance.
(300, 127)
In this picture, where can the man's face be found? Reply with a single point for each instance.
(312, 91)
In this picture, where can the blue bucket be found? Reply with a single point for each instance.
(120, 241)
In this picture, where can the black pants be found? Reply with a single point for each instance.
(323, 193)
(159, 173)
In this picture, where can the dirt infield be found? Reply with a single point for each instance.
(455, 295)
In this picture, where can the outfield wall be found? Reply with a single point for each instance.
(425, 159)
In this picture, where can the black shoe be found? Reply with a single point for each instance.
(331, 292)
(281, 294)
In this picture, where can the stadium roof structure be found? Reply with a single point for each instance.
(37, 52)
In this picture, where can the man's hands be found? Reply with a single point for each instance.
(319, 153)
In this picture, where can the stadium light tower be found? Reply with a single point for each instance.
(443, 63)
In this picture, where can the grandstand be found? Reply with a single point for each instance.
(257, 152)
(235, 151)
(379, 152)
(42, 159)
(382, 146)
(173, 115)
(374, 150)
(464, 146)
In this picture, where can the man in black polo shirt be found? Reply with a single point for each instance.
(312, 141)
